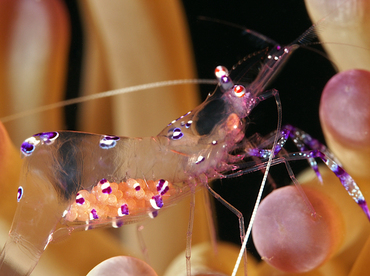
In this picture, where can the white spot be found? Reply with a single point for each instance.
(176, 133)
(87, 225)
(32, 140)
(150, 214)
(136, 185)
(154, 204)
(114, 223)
(165, 185)
(105, 185)
(239, 90)
(200, 159)
(50, 238)
(221, 71)
(108, 142)
(65, 213)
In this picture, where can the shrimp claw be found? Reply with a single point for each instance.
(309, 148)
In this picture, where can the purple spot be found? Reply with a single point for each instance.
(278, 47)
(105, 186)
(225, 79)
(290, 128)
(363, 205)
(285, 134)
(137, 188)
(188, 124)
(79, 199)
(27, 148)
(94, 214)
(165, 190)
(177, 134)
(156, 202)
(253, 152)
(160, 184)
(339, 172)
(319, 154)
(107, 190)
(47, 137)
(108, 142)
(277, 149)
(123, 210)
(314, 144)
(153, 214)
(119, 224)
(20, 193)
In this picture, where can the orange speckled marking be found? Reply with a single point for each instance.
(107, 202)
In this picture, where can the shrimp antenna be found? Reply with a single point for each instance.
(307, 36)
(245, 30)
(263, 183)
(321, 53)
(105, 95)
(304, 40)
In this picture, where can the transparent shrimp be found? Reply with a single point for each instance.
(87, 180)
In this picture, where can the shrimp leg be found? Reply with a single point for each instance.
(238, 214)
(318, 150)
(189, 233)
(265, 95)
(310, 149)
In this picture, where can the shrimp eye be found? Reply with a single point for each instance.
(239, 90)
(221, 71)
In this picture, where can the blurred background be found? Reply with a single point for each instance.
(92, 47)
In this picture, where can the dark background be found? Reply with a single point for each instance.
(300, 82)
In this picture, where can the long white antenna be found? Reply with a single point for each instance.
(104, 95)
(262, 187)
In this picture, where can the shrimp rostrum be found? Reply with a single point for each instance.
(74, 180)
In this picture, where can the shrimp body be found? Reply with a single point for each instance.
(180, 155)
(88, 180)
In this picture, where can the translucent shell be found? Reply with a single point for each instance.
(112, 200)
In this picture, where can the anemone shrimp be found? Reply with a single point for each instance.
(108, 142)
